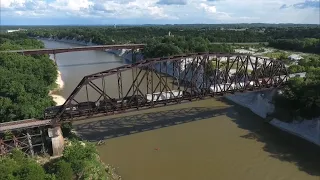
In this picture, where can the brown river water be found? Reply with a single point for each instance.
(202, 140)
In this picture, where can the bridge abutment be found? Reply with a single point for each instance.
(57, 140)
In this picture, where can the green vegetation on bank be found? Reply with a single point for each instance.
(25, 81)
(301, 98)
(309, 45)
(80, 161)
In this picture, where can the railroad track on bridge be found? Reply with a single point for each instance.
(24, 124)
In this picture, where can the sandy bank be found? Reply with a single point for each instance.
(59, 100)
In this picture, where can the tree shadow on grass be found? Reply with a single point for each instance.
(279, 144)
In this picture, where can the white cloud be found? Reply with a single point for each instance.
(71, 5)
(208, 8)
(212, 13)
(12, 3)
(190, 11)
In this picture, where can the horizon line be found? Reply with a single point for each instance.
(1, 25)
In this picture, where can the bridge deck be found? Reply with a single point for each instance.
(23, 124)
(81, 48)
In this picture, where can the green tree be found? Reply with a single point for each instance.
(25, 81)
(63, 170)
(77, 153)
(8, 167)
(84, 160)
(31, 170)
(296, 69)
(17, 166)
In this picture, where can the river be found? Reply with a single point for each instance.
(202, 140)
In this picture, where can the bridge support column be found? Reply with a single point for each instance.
(57, 140)
(54, 58)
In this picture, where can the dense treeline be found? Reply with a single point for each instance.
(158, 41)
(168, 45)
(211, 26)
(210, 34)
(25, 81)
(301, 98)
(80, 161)
(111, 35)
(311, 45)
(18, 41)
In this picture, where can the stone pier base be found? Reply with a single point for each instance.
(57, 140)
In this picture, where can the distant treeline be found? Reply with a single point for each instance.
(311, 45)
(166, 46)
(233, 26)
(111, 35)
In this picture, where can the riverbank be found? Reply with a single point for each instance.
(260, 104)
(59, 100)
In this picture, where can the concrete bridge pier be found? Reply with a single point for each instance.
(54, 58)
(57, 140)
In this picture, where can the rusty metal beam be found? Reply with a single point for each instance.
(74, 49)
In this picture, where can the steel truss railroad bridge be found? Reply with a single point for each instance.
(171, 80)
(159, 82)
(134, 48)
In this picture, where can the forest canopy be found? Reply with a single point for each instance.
(80, 161)
(301, 98)
(25, 81)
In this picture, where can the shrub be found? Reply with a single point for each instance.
(63, 170)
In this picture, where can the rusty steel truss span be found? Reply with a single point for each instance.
(30, 141)
(168, 80)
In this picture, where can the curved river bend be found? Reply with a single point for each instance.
(201, 140)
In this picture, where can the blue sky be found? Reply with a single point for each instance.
(56, 12)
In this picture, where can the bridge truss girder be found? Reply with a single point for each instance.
(30, 141)
(193, 75)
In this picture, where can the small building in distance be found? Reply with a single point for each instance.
(15, 30)
(295, 57)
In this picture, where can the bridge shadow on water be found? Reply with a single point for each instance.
(126, 125)
(279, 144)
